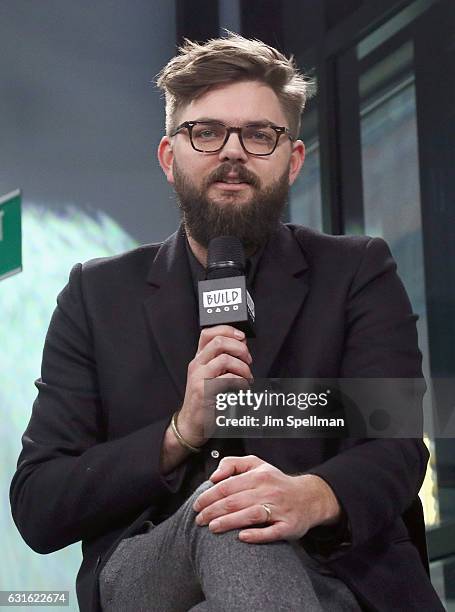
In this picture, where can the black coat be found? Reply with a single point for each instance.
(114, 370)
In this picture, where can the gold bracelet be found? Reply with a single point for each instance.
(179, 436)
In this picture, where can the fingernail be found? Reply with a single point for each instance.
(239, 334)
(214, 525)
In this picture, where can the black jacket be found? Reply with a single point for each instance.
(114, 370)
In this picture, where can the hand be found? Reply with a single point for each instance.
(297, 503)
(222, 353)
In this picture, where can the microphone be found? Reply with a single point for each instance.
(224, 296)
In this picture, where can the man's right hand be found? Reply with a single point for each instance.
(222, 353)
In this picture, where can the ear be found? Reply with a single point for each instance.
(166, 157)
(296, 161)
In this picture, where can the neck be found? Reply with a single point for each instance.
(200, 252)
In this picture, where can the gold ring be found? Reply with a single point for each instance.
(269, 512)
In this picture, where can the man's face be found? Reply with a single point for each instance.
(231, 192)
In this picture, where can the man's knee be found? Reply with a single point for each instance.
(204, 486)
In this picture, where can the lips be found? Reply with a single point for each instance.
(235, 180)
(231, 185)
(233, 175)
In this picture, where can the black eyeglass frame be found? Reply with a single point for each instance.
(189, 125)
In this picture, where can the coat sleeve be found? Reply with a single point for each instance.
(72, 484)
(376, 480)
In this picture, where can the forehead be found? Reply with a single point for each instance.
(236, 104)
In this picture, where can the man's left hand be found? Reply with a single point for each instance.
(244, 484)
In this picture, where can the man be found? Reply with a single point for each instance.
(115, 453)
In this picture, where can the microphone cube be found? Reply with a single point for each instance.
(226, 301)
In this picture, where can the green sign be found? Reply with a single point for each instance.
(10, 234)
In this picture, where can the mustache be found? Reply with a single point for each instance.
(245, 175)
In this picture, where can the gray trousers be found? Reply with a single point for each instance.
(179, 566)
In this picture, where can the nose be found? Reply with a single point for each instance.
(233, 150)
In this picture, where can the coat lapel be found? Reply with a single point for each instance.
(171, 308)
(280, 290)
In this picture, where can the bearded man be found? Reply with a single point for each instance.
(116, 453)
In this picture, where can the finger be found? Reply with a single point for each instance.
(209, 333)
(216, 388)
(232, 504)
(229, 466)
(229, 383)
(238, 379)
(225, 488)
(226, 364)
(254, 515)
(277, 531)
(220, 491)
(221, 344)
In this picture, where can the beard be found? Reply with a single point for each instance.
(251, 221)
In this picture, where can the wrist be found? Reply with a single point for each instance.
(172, 453)
(324, 508)
(184, 435)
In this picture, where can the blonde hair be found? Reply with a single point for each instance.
(197, 67)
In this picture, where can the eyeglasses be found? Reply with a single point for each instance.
(211, 136)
